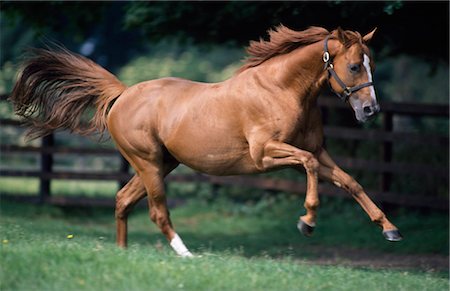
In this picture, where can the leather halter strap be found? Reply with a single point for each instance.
(347, 91)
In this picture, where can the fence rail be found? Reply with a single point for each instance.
(385, 167)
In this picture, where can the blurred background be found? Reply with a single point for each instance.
(401, 157)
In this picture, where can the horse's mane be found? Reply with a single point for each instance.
(283, 40)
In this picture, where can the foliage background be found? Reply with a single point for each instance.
(191, 39)
(205, 41)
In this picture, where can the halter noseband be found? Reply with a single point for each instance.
(347, 91)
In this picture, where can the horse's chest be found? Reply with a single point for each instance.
(307, 135)
(310, 141)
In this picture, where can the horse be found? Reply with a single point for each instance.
(263, 118)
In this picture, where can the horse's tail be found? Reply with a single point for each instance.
(57, 86)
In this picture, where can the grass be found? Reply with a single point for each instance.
(81, 266)
(252, 246)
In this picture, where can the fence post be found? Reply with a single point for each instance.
(386, 152)
(46, 168)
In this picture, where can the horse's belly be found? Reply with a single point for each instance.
(213, 156)
(221, 165)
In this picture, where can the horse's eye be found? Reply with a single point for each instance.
(354, 68)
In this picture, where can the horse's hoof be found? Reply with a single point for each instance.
(392, 235)
(305, 228)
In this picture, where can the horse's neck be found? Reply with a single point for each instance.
(300, 72)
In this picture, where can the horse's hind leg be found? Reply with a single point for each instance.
(151, 172)
(126, 198)
(331, 172)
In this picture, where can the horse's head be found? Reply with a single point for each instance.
(350, 72)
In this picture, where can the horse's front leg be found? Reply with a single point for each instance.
(329, 171)
(277, 155)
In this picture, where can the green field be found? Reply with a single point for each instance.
(250, 246)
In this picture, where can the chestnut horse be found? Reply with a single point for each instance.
(263, 118)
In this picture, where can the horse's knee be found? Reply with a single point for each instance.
(310, 163)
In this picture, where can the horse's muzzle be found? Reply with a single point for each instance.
(366, 112)
(371, 110)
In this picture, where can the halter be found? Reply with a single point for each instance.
(347, 91)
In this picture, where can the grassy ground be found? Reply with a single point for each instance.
(243, 247)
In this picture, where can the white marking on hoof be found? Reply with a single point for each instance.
(178, 246)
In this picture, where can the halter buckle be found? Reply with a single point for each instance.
(347, 92)
(326, 57)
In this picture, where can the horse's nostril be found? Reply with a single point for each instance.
(377, 108)
(367, 110)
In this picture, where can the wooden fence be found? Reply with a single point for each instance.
(384, 166)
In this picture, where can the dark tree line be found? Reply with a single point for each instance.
(412, 27)
(418, 28)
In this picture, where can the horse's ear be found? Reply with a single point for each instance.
(342, 36)
(369, 36)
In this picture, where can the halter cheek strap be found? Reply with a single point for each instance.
(347, 91)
